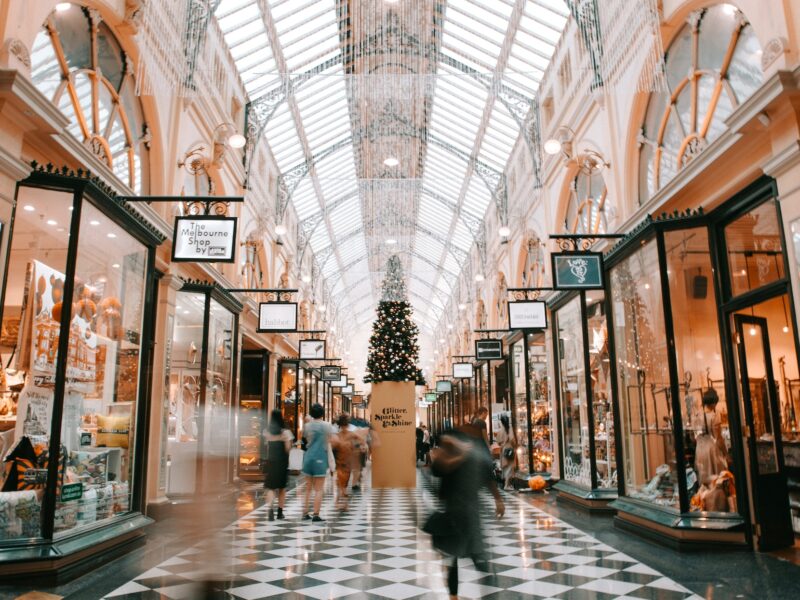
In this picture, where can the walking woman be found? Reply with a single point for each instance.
(315, 462)
(463, 464)
(508, 450)
(278, 442)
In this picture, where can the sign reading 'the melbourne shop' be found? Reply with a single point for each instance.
(578, 271)
(204, 238)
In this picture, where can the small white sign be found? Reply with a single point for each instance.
(277, 317)
(530, 314)
(204, 238)
(462, 371)
(347, 390)
(341, 383)
(312, 349)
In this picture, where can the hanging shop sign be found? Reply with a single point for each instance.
(312, 349)
(204, 238)
(358, 400)
(462, 371)
(330, 373)
(578, 270)
(347, 390)
(444, 387)
(430, 397)
(277, 317)
(489, 349)
(527, 314)
(342, 382)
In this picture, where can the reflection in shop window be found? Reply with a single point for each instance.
(713, 65)
(78, 64)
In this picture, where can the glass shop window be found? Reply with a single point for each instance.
(103, 364)
(519, 407)
(29, 352)
(541, 419)
(600, 374)
(575, 416)
(704, 411)
(289, 398)
(643, 379)
(184, 407)
(755, 250)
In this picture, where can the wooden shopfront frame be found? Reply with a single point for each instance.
(50, 553)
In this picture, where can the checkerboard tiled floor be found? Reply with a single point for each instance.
(377, 551)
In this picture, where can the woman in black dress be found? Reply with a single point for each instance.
(278, 443)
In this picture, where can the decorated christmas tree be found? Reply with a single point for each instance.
(393, 349)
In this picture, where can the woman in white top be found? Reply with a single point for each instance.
(508, 450)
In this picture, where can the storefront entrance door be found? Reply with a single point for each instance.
(769, 495)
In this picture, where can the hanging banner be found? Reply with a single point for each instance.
(443, 387)
(430, 397)
(578, 270)
(204, 238)
(527, 314)
(489, 349)
(330, 373)
(312, 349)
(463, 371)
(277, 317)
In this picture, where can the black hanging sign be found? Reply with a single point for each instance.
(488, 349)
(277, 317)
(578, 270)
(330, 373)
(204, 238)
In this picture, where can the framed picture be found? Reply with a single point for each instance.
(527, 314)
(204, 238)
(277, 317)
(312, 349)
(444, 386)
(330, 373)
(489, 349)
(578, 270)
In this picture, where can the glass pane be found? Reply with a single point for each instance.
(575, 416)
(184, 405)
(755, 249)
(643, 382)
(602, 407)
(29, 349)
(541, 420)
(217, 431)
(519, 408)
(98, 428)
(704, 411)
(288, 397)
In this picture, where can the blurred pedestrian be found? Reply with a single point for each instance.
(278, 442)
(315, 461)
(419, 443)
(479, 421)
(344, 445)
(360, 459)
(507, 441)
(426, 445)
(464, 467)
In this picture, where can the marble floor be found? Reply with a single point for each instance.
(377, 550)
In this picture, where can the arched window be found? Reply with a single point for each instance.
(586, 211)
(533, 266)
(78, 64)
(713, 65)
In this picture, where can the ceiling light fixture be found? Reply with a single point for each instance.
(322, 308)
(306, 278)
(237, 140)
(115, 266)
(51, 222)
(63, 6)
(478, 277)
(391, 162)
(504, 231)
(280, 229)
(391, 242)
(29, 208)
(94, 223)
(111, 235)
(462, 306)
(552, 147)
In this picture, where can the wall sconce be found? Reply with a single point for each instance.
(560, 142)
(226, 135)
(588, 161)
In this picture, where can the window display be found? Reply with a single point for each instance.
(90, 314)
(519, 406)
(541, 417)
(646, 419)
(605, 448)
(288, 398)
(252, 410)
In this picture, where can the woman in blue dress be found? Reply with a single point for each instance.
(315, 461)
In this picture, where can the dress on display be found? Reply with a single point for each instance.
(710, 453)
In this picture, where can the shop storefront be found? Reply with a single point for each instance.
(705, 375)
(201, 448)
(587, 426)
(78, 301)
(253, 414)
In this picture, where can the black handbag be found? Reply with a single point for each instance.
(508, 453)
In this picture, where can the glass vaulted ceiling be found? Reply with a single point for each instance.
(470, 43)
